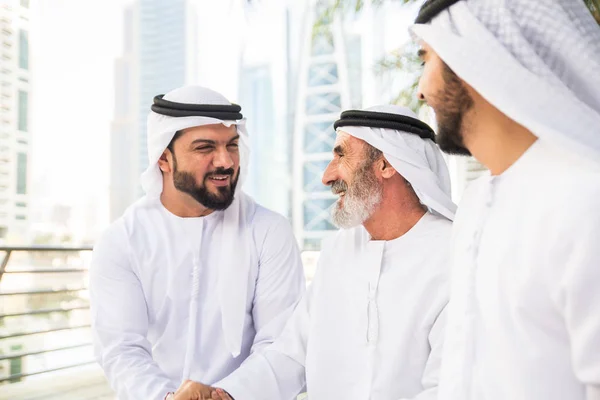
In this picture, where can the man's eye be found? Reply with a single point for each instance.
(233, 145)
(204, 148)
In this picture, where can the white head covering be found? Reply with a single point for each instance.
(537, 61)
(162, 128)
(418, 160)
(234, 266)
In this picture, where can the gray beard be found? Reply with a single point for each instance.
(359, 202)
(353, 212)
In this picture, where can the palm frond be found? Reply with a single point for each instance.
(340, 7)
(594, 7)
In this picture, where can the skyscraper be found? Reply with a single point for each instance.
(124, 140)
(323, 92)
(15, 119)
(266, 92)
(159, 55)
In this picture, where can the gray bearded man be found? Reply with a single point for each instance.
(195, 275)
(371, 324)
(516, 83)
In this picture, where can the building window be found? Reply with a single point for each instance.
(24, 49)
(20, 217)
(21, 173)
(313, 172)
(23, 111)
(316, 215)
(21, 204)
(25, 3)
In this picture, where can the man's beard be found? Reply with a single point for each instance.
(185, 182)
(360, 200)
(453, 103)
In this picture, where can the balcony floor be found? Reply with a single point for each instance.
(85, 383)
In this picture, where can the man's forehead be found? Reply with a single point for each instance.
(346, 140)
(340, 137)
(213, 131)
(215, 126)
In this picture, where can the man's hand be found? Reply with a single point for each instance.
(190, 390)
(220, 394)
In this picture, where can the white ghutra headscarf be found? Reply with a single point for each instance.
(418, 160)
(537, 61)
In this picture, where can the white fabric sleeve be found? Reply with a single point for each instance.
(576, 286)
(431, 373)
(279, 286)
(120, 322)
(278, 371)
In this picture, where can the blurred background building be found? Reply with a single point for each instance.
(291, 78)
(15, 121)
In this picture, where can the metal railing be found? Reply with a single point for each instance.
(17, 319)
(12, 324)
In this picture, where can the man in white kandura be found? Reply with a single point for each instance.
(195, 276)
(371, 324)
(516, 83)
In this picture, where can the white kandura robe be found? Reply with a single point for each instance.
(140, 288)
(369, 327)
(524, 315)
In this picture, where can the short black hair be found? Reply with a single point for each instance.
(431, 8)
(175, 137)
(372, 153)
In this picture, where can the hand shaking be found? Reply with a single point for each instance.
(190, 390)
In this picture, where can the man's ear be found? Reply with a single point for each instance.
(386, 169)
(164, 162)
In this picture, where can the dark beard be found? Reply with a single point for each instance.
(453, 103)
(185, 182)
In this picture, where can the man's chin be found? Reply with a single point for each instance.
(219, 201)
(452, 145)
(342, 220)
(455, 150)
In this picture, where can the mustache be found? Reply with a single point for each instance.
(220, 171)
(339, 186)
